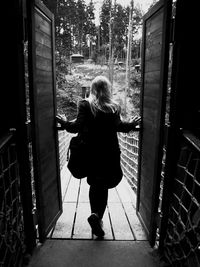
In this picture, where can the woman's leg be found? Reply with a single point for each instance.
(98, 196)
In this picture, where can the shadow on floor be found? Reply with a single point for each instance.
(91, 253)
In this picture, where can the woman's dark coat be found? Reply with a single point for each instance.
(100, 133)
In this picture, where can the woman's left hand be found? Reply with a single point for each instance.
(136, 120)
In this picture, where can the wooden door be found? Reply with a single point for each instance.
(155, 49)
(43, 112)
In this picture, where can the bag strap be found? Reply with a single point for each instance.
(68, 154)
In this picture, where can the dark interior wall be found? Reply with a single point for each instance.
(13, 103)
(12, 72)
(186, 77)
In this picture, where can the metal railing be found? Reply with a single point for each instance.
(182, 239)
(11, 215)
(64, 139)
(129, 145)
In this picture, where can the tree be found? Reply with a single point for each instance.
(119, 30)
(104, 21)
(74, 22)
(90, 27)
(64, 14)
(81, 21)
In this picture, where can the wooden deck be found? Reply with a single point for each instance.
(120, 219)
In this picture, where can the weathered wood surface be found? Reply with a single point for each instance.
(153, 97)
(120, 220)
(43, 111)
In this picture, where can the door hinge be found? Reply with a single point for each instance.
(28, 131)
(172, 26)
(25, 23)
(35, 217)
(158, 219)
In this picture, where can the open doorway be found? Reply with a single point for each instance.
(111, 48)
(75, 70)
(120, 219)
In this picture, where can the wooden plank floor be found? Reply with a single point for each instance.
(120, 219)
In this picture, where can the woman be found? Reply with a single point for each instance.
(98, 119)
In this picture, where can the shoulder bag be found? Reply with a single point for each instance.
(78, 157)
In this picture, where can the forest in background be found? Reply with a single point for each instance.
(104, 45)
(76, 31)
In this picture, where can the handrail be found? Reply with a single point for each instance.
(12, 233)
(192, 139)
(129, 144)
(5, 139)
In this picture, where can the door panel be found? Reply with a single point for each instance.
(43, 112)
(155, 51)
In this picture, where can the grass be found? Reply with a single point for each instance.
(69, 90)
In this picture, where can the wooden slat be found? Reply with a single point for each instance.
(82, 228)
(115, 216)
(119, 221)
(65, 179)
(43, 76)
(64, 224)
(43, 87)
(72, 191)
(84, 191)
(49, 213)
(151, 78)
(113, 196)
(43, 64)
(154, 23)
(43, 51)
(125, 193)
(107, 226)
(41, 38)
(153, 65)
(156, 45)
(134, 222)
(43, 25)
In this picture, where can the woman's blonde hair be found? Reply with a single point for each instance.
(100, 97)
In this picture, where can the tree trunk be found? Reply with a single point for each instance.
(128, 58)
